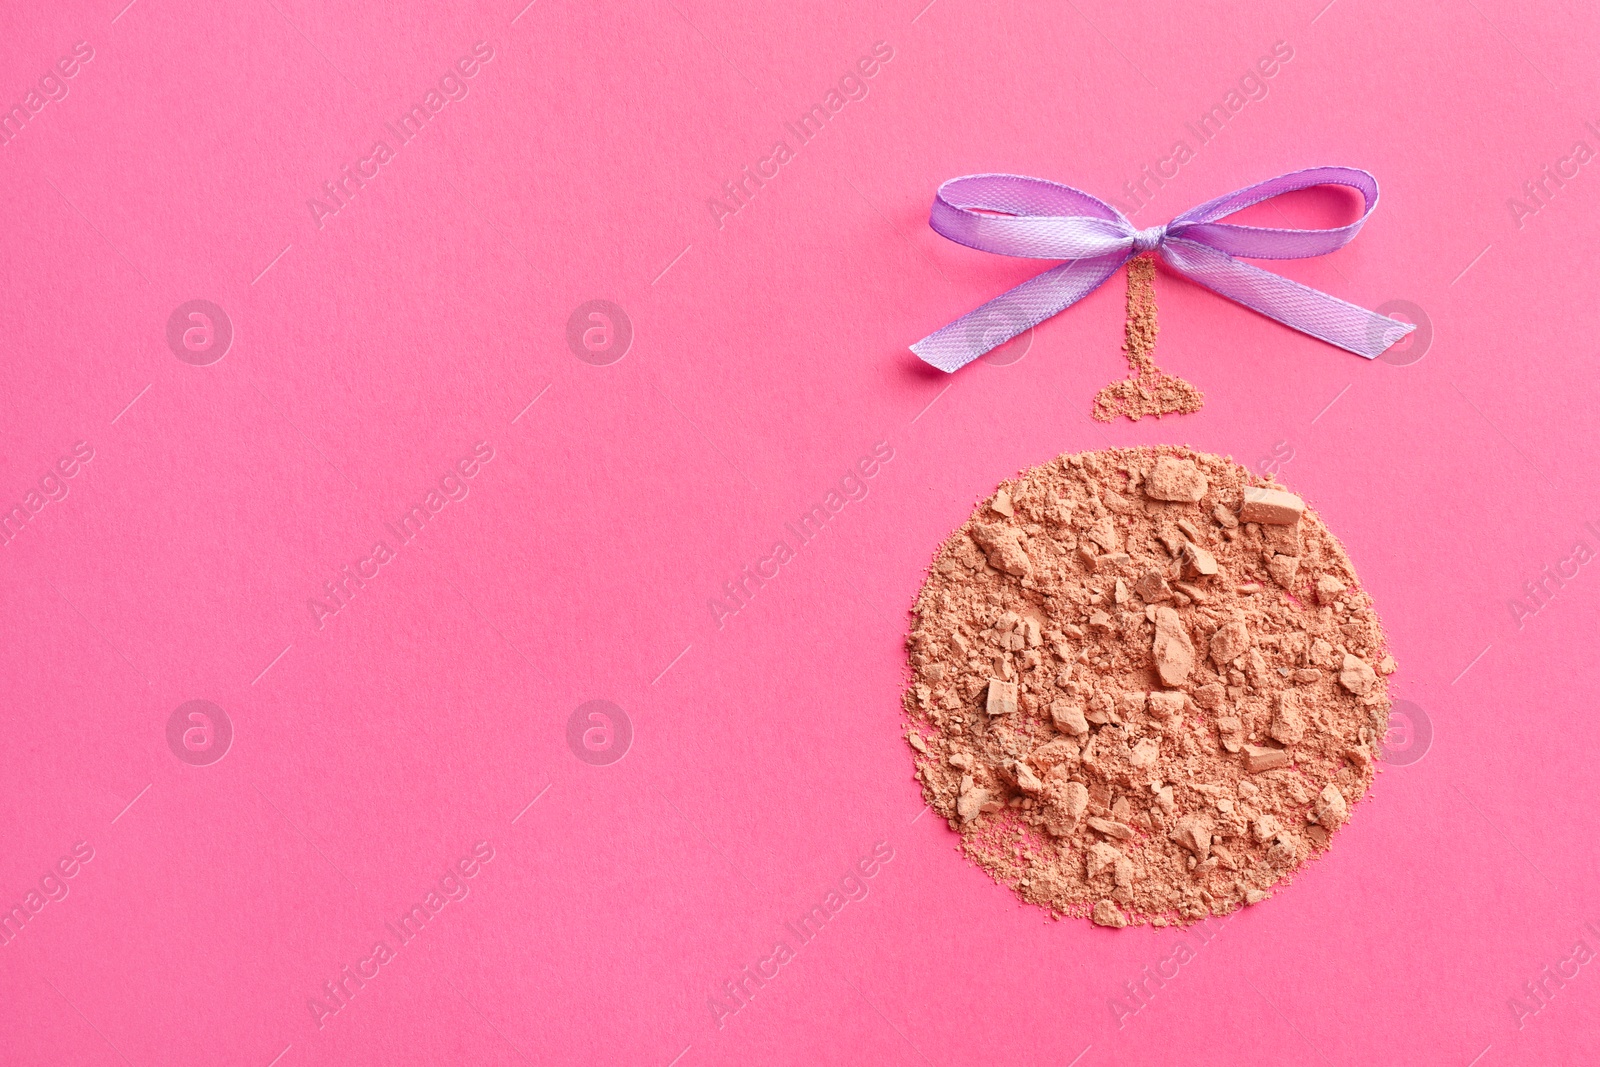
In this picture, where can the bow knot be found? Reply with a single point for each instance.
(1017, 216)
(1148, 240)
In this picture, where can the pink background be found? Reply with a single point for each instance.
(372, 352)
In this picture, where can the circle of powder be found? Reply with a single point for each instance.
(1134, 702)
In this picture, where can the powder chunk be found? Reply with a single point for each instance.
(1112, 828)
(1100, 858)
(1258, 758)
(1329, 589)
(1331, 809)
(1002, 545)
(1068, 718)
(1197, 562)
(1173, 650)
(1026, 780)
(1288, 725)
(1230, 732)
(1229, 642)
(973, 800)
(1116, 501)
(1002, 697)
(1104, 533)
(1282, 853)
(1106, 913)
(1065, 803)
(1166, 705)
(1193, 832)
(1356, 675)
(1152, 587)
(1283, 569)
(1175, 479)
(1274, 506)
(1074, 799)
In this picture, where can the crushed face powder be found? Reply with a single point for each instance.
(1146, 685)
(1148, 390)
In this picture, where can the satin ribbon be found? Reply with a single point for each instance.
(1016, 216)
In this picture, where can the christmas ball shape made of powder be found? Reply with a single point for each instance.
(1146, 686)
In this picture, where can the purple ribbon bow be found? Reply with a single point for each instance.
(1017, 216)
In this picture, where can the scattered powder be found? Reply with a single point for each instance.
(1148, 390)
(1146, 686)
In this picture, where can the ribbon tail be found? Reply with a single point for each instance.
(1300, 307)
(1019, 309)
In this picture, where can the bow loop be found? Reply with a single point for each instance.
(1013, 215)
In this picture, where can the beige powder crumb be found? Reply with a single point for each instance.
(1283, 569)
(1113, 747)
(1175, 479)
(1106, 914)
(1002, 545)
(1197, 562)
(1288, 725)
(1329, 589)
(1148, 390)
(1356, 676)
(1258, 758)
(1331, 809)
(1271, 505)
(1229, 642)
(1173, 651)
(1002, 697)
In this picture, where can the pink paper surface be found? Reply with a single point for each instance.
(385, 342)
